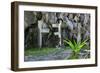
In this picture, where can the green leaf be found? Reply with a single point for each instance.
(70, 44)
(75, 46)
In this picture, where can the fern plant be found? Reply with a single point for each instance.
(75, 46)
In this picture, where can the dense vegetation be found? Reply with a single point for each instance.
(75, 27)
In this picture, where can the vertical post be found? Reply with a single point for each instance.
(40, 34)
(59, 30)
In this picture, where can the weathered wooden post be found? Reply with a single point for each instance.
(59, 30)
(40, 22)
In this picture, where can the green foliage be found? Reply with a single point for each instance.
(39, 51)
(75, 46)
